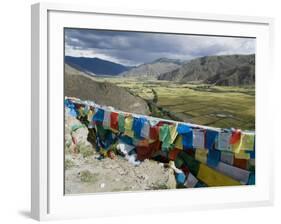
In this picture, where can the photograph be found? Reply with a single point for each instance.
(147, 111)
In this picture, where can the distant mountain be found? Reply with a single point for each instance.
(168, 60)
(154, 69)
(231, 70)
(96, 66)
(79, 84)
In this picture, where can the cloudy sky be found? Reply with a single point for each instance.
(134, 48)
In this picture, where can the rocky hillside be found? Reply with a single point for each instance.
(226, 70)
(79, 84)
(154, 69)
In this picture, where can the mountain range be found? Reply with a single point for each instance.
(96, 66)
(226, 70)
(154, 69)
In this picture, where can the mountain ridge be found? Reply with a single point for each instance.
(153, 69)
(96, 66)
(231, 70)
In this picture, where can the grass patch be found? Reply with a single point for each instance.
(87, 176)
(86, 151)
(68, 164)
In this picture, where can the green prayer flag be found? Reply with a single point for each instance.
(121, 122)
(165, 137)
(190, 162)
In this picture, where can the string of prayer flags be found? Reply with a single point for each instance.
(205, 156)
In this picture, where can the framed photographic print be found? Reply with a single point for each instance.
(150, 111)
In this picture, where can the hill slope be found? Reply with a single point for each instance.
(220, 70)
(154, 69)
(96, 66)
(80, 85)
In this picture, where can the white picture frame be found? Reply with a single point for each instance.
(47, 198)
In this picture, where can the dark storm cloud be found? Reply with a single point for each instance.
(136, 47)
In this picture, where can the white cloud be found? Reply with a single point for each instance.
(132, 48)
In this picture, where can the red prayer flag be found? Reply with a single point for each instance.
(235, 137)
(114, 120)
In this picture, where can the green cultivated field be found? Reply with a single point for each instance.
(215, 106)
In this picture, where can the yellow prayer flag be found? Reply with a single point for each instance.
(213, 178)
(178, 142)
(248, 142)
(242, 155)
(173, 132)
(201, 155)
(128, 127)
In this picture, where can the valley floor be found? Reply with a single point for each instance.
(217, 106)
